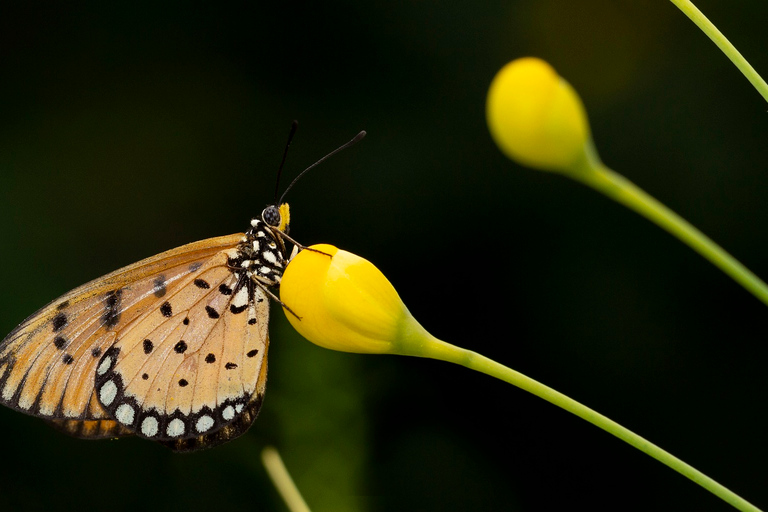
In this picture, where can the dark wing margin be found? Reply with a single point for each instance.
(91, 429)
(238, 427)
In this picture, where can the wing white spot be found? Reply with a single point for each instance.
(104, 366)
(270, 257)
(175, 428)
(25, 403)
(264, 270)
(204, 423)
(149, 426)
(124, 414)
(256, 245)
(7, 392)
(239, 408)
(241, 297)
(228, 413)
(108, 392)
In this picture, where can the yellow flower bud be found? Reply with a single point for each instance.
(536, 118)
(343, 302)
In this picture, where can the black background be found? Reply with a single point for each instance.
(128, 130)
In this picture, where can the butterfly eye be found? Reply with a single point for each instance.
(271, 215)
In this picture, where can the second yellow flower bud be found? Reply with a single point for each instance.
(536, 118)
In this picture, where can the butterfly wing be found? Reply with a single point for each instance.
(237, 427)
(48, 363)
(91, 429)
(195, 364)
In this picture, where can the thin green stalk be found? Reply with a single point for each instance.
(623, 191)
(282, 480)
(722, 42)
(436, 349)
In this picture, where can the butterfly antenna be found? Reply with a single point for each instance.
(352, 142)
(294, 127)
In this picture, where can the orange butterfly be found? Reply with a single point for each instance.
(172, 348)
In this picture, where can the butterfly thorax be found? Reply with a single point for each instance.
(261, 255)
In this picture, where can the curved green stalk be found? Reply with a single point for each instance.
(425, 345)
(593, 173)
(722, 42)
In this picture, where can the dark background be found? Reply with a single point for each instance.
(129, 130)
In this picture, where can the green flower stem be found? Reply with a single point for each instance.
(422, 344)
(722, 42)
(621, 190)
(282, 480)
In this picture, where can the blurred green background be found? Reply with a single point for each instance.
(126, 130)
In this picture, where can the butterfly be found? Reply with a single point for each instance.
(172, 348)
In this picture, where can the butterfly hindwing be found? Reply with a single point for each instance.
(48, 363)
(191, 366)
(237, 427)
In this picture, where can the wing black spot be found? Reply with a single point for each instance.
(210, 358)
(234, 263)
(230, 366)
(237, 309)
(145, 376)
(180, 347)
(252, 321)
(202, 283)
(166, 309)
(59, 342)
(59, 321)
(185, 321)
(112, 308)
(252, 353)
(183, 382)
(96, 352)
(224, 289)
(62, 305)
(160, 286)
(67, 359)
(212, 313)
(148, 346)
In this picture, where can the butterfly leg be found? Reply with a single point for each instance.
(272, 296)
(300, 246)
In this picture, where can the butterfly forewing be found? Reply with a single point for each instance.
(48, 363)
(91, 429)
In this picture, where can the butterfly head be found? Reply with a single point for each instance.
(277, 217)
